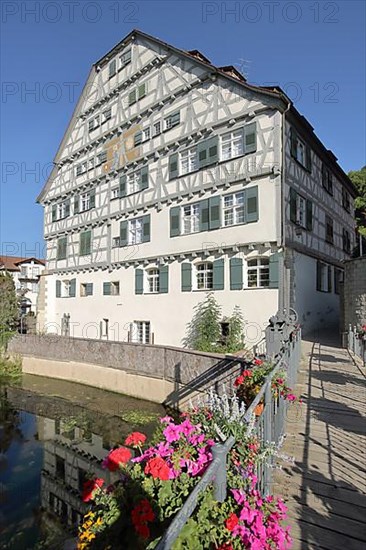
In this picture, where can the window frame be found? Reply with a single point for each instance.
(192, 165)
(143, 329)
(234, 208)
(138, 231)
(152, 280)
(329, 235)
(203, 278)
(231, 142)
(258, 269)
(193, 217)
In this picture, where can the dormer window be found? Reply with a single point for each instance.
(112, 68)
(125, 58)
(300, 151)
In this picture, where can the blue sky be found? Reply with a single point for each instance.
(314, 50)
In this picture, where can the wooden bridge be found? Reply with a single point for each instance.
(325, 489)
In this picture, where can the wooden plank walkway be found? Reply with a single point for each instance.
(325, 489)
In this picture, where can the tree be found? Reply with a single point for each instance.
(235, 340)
(204, 330)
(9, 308)
(358, 178)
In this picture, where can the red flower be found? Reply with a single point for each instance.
(89, 487)
(225, 546)
(140, 515)
(239, 381)
(135, 439)
(117, 457)
(158, 468)
(247, 373)
(143, 530)
(231, 522)
(258, 362)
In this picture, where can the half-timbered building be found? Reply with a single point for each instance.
(175, 178)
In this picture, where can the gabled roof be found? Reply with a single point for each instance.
(228, 72)
(12, 263)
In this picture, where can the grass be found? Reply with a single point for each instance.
(10, 367)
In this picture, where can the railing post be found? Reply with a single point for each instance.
(219, 452)
(267, 435)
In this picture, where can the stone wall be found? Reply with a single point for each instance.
(156, 373)
(353, 295)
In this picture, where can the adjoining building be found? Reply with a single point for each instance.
(175, 178)
(26, 274)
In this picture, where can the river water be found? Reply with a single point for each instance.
(53, 434)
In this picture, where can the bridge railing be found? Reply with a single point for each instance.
(356, 342)
(269, 426)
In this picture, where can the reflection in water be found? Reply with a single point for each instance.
(48, 447)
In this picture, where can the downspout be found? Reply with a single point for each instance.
(283, 290)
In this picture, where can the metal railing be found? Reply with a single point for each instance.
(269, 426)
(356, 343)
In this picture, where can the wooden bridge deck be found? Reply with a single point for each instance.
(325, 489)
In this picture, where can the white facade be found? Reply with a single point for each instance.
(171, 181)
(26, 274)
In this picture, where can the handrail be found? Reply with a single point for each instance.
(216, 471)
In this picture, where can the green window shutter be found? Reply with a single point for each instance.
(186, 277)
(251, 198)
(87, 242)
(293, 196)
(123, 240)
(308, 158)
(61, 248)
(89, 289)
(293, 138)
(173, 166)
(236, 273)
(218, 274)
(76, 205)
(309, 215)
(72, 288)
(58, 289)
(82, 244)
(214, 205)
(54, 213)
(122, 185)
(329, 278)
(137, 139)
(67, 209)
(164, 279)
(106, 289)
(139, 281)
(175, 119)
(146, 228)
(132, 97)
(204, 215)
(141, 91)
(318, 275)
(207, 152)
(144, 178)
(92, 199)
(250, 138)
(273, 270)
(175, 221)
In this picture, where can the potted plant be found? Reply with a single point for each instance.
(250, 381)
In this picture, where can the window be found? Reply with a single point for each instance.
(188, 161)
(60, 467)
(61, 248)
(111, 289)
(301, 210)
(86, 289)
(125, 58)
(233, 209)
(204, 276)
(84, 202)
(85, 243)
(345, 200)
(327, 180)
(107, 114)
(66, 289)
(338, 279)
(346, 241)
(133, 182)
(112, 68)
(93, 123)
(323, 277)
(101, 158)
(135, 229)
(152, 276)
(232, 145)
(24, 271)
(191, 218)
(328, 229)
(157, 128)
(300, 151)
(115, 193)
(140, 332)
(171, 121)
(35, 288)
(137, 93)
(141, 137)
(60, 210)
(258, 273)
